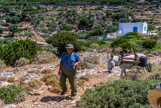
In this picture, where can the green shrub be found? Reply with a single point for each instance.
(84, 48)
(85, 23)
(28, 34)
(119, 94)
(1, 30)
(149, 44)
(111, 28)
(45, 35)
(108, 13)
(132, 35)
(21, 48)
(96, 32)
(12, 93)
(7, 40)
(13, 28)
(151, 27)
(125, 44)
(60, 40)
(83, 35)
(100, 25)
(65, 27)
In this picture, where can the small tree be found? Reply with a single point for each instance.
(149, 44)
(111, 28)
(13, 28)
(60, 40)
(1, 30)
(28, 34)
(151, 27)
(65, 27)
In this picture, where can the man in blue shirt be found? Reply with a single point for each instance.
(67, 69)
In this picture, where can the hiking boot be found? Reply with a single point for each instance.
(62, 93)
(73, 97)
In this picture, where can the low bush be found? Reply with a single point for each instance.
(94, 46)
(11, 80)
(84, 48)
(85, 77)
(12, 93)
(28, 34)
(111, 28)
(154, 74)
(119, 94)
(35, 84)
(86, 65)
(47, 71)
(96, 32)
(125, 44)
(149, 44)
(92, 59)
(132, 35)
(45, 57)
(53, 81)
(21, 48)
(2, 64)
(21, 62)
(3, 78)
(156, 52)
(65, 27)
(7, 40)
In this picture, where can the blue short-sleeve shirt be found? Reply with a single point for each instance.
(69, 61)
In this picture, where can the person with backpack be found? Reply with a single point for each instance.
(67, 69)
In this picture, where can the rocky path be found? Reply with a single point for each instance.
(42, 98)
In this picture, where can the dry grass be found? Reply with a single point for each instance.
(81, 83)
(21, 62)
(53, 81)
(37, 72)
(117, 51)
(47, 76)
(11, 79)
(155, 74)
(92, 59)
(86, 65)
(35, 84)
(94, 46)
(55, 89)
(2, 78)
(85, 77)
(2, 64)
(45, 57)
(156, 52)
(47, 71)
(16, 69)
(23, 78)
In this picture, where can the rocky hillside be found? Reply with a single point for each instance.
(38, 22)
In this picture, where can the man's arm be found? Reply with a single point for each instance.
(60, 68)
(77, 63)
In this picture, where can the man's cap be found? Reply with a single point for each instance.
(69, 46)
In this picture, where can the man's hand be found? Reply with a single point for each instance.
(76, 64)
(59, 72)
